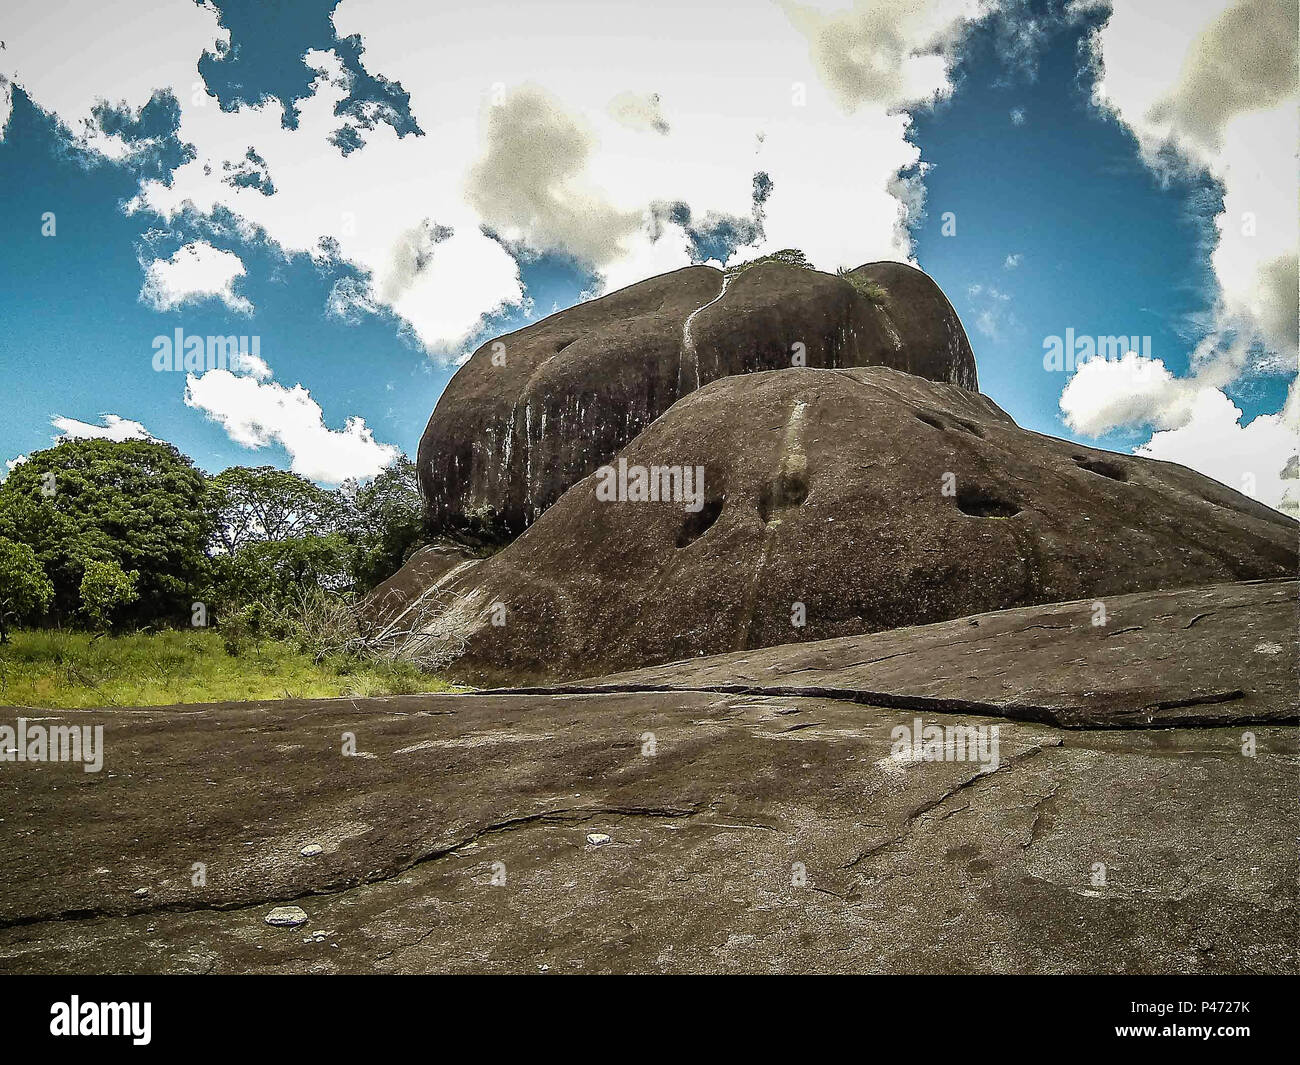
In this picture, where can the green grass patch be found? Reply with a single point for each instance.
(66, 670)
(872, 291)
(786, 257)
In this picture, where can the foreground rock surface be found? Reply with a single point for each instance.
(852, 500)
(536, 410)
(746, 833)
(763, 835)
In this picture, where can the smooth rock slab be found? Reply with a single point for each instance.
(1220, 655)
(766, 834)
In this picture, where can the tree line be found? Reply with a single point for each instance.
(111, 535)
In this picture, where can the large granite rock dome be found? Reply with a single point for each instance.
(536, 410)
(875, 498)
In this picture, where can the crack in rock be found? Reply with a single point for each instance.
(573, 814)
(925, 808)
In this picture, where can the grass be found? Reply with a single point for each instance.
(786, 256)
(67, 670)
(872, 291)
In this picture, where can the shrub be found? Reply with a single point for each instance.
(872, 291)
(25, 590)
(786, 256)
(105, 589)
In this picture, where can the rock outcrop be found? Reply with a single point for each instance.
(537, 410)
(835, 503)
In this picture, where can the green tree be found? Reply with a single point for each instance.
(105, 589)
(273, 571)
(259, 504)
(384, 522)
(138, 503)
(786, 257)
(25, 590)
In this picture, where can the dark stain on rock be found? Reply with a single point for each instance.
(784, 492)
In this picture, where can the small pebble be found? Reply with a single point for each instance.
(598, 839)
(311, 850)
(287, 917)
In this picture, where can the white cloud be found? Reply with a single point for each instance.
(256, 414)
(1013, 260)
(829, 139)
(528, 184)
(1212, 88)
(197, 272)
(114, 428)
(14, 463)
(886, 52)
(1258, 457)
(639, 112)
(1194, 424)
(6, 106)
(1017, 116)
(1218, 85)
(71, 56)
(1109, 394)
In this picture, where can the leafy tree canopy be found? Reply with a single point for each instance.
(138, 503)
(260, 504)
(383, 520)
(272, 571)
(105, 590)
(786, 256)
(25, 590)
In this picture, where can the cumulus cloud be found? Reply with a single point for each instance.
(197, 272)
(886, 52)
(71, 58)
(1109, 394)
(529, 183)
(639, 112)
(1194, 423)
(412, 254)
(256, 414)
(1259, 457)
(1243, 60)
(1216, 89)
(588, 184)
(1013, 260)
(378, 208)
(14, 463)
(113, 428)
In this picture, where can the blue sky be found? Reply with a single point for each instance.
(339, 184)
